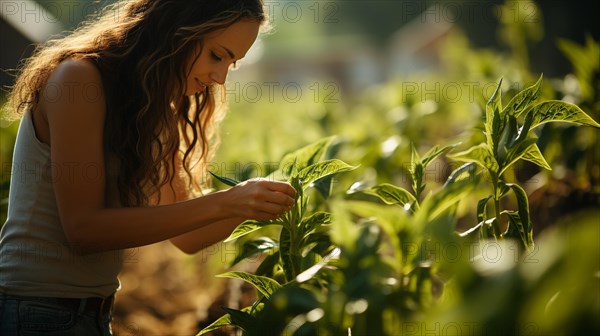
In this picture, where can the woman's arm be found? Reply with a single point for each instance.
(76, 120)
(202, 238)
(198, 239)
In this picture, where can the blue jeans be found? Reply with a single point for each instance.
(33, 316)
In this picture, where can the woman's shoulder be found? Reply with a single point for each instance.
(76, 70)
(74, 85)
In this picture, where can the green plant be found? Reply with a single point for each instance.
(509, 139)
(303, 238)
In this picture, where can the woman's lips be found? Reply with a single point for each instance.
(201, 86)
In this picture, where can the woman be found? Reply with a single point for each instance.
(118, 124)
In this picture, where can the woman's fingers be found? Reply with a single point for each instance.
(261, 199)
(283, 187)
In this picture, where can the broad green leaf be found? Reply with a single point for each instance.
(534, 155)
(517, 152)
(521, 102)
(556, 110)
(222, 321)
(320, 170)
(241, 319)
(255, 247)
(526, 228)
(324, 186)
(226, 180)
(225, 320)
(479, 154)
(248, 227)
(466, 171)
(392, 194)
(315, 220)
(305, 156)
(265, 286)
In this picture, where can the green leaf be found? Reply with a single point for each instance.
(466, 171)
(509, 135)
(534, 155)
(309, 224)
(434, 153)
(226, 180)
(305, 156)
(225, 320)
(222, 321)
(241, 319)
(285, 244)
(265, 286)
(255, 247)
(318, 237)
(521, 102)
(495, 103)
(493, 119)
(556, 110)
(416, 172)
(249, 226)
(320, 170)
(479, 154)
(266, 267)
(391, 194)
(481, 208)
(457, 186)
(324, 186)
(525, 226)
(517, 152)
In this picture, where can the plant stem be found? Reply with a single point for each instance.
(496, 223)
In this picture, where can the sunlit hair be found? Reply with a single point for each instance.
(141, 48)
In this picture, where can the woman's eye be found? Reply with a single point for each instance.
(215, 57)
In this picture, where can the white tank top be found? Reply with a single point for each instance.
(35, 256)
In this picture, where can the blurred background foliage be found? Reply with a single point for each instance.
(382, 75)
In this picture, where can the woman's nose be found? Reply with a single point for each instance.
(219, 76)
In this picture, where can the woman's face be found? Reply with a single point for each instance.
(218, 53)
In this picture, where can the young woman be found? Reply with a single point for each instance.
(118, 124)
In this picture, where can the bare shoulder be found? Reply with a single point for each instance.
(73, 81)
(81, 70)
(75, 85)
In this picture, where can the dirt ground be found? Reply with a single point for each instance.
(165, 292)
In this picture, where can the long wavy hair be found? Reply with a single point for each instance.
(141, 48)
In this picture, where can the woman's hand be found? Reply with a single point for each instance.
(259, 199)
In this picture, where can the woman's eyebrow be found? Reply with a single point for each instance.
(228, 51)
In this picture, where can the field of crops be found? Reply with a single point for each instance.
(458, 198)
